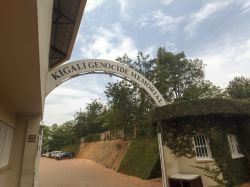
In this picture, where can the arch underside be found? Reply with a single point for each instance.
(98, 66)
(111, 74)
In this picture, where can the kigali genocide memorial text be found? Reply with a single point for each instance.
(66, 71)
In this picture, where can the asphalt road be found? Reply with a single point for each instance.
(85, 173)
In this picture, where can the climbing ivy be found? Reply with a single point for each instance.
(178, 135)
(204, 107)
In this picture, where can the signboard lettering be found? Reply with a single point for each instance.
(72, 69)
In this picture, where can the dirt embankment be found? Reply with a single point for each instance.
(245, 185)
(107, 153)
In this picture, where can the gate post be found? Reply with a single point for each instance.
(162, 159)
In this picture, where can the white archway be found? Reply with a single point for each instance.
(72, 69)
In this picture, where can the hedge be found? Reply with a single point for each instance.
(142, 159)
(203, 107)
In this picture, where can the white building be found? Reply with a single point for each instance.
(36, 36)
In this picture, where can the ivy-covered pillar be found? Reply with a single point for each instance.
(244, 135)
(232, 170)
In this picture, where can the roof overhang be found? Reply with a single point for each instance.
(20, 70)
(21, 63)
(214, 107)
(66, 20)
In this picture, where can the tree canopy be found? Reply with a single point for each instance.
(239, 88)
(174, 75)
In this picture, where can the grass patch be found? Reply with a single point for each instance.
(142, 159)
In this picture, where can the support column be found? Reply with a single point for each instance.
(162, 159)
(16, 158)
(30, 152)
(37, 164)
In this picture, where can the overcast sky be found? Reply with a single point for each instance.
(218, 32)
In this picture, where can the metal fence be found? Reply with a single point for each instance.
(110, 135)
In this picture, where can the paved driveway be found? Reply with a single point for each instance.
(85, 173)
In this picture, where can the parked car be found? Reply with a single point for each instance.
(50, 154)
(64, 155)
(46, 154)
(54, 153)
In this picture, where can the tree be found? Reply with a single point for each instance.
(93, 111)
(56, 136)
(128, 103)
(80, 124)
(176, 77)
(62, 135)
(120, 97)
(174, 74)
(239, 88)
(204, 89)
(88, 122)
(46, 138)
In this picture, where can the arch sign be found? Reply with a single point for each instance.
(76, 68)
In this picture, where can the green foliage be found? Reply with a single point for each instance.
(89, 122)
(61, 135)
(127, 107)
(86, 123)
(94, 109)
(92, 138)
(204, 89)
(46, 140)
(178, 137)
(215, 118)
(122, 104)
(176, 77)
(244, 130)
(239, 88)
(80, 124)
(234, 171)
(214, 173)
(203, 107)
(142, 159)
(142, 64)
(71, 148)
(180, 78)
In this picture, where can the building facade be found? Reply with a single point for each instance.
(36, 36)
(206, 142)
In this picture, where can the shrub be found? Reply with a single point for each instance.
(142, 159)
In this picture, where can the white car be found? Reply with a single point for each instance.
(46, 154)
(54, 153)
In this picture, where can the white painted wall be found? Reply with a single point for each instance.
(182, 165)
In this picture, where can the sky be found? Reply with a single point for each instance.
(215, 31)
